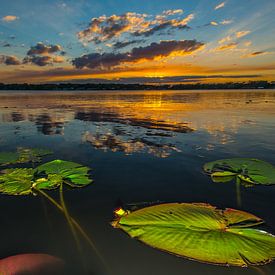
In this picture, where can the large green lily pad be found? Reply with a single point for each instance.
(251, 171)
(201, 232)
(72, 173)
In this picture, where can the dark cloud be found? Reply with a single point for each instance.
(154, 50)
(7, 45)
(43, 55)
(43, 60)
(98, 60)
(168, 24)
(255, 54)
(153, 30)
(258, 53)
(42, 49)
(120, 45)
(9, 60)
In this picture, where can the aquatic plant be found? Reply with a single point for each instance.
(200, 232)
(70, 173)
(248, 171)
(46, 177)
(23, 155)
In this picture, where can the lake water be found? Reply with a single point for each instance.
(144, 147)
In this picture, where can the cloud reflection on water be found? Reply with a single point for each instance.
(150, 122)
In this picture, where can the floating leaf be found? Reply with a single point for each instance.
(23, 155)
(31, 154)
(8, 157)
(17, 181)
(251, 171)
(52, 181)
(72, 173)
(201, 232)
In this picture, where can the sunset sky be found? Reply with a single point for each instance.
(166, 41)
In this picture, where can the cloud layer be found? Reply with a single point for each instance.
(151, 52)
(104, 28)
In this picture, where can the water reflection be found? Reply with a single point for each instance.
(160, 141)
(137, 122)
(143, 115)
(48, 126)
(115, 143)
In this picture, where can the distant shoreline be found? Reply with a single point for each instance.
(257, 85)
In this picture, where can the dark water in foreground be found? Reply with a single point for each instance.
(143, 147)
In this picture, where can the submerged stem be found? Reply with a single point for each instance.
(68, 217)
(238, 192)
(77, 226)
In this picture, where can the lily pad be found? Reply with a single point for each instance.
(24, 181)
(31, 154)
(23, 155)
(251, 171)
(201, 232)
(72, 173)
(8, 157)
(50, 182)
(17, 181)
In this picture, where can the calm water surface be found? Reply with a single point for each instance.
(144, 148)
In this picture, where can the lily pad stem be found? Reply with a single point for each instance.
(69, 218)
(76, 224)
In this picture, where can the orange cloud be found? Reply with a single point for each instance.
(226, 47)
(214, 23)
(103, 28)
(9, 18)
(225, 39)
(242, 34)
(255, 54)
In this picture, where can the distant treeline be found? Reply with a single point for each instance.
(116, 86)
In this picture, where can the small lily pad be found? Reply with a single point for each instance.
(72, 173)
(201, 232)
(17, 181)
(31, 154)
(250, 171)
(8, 157)
(23, 181)
(23, 155)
